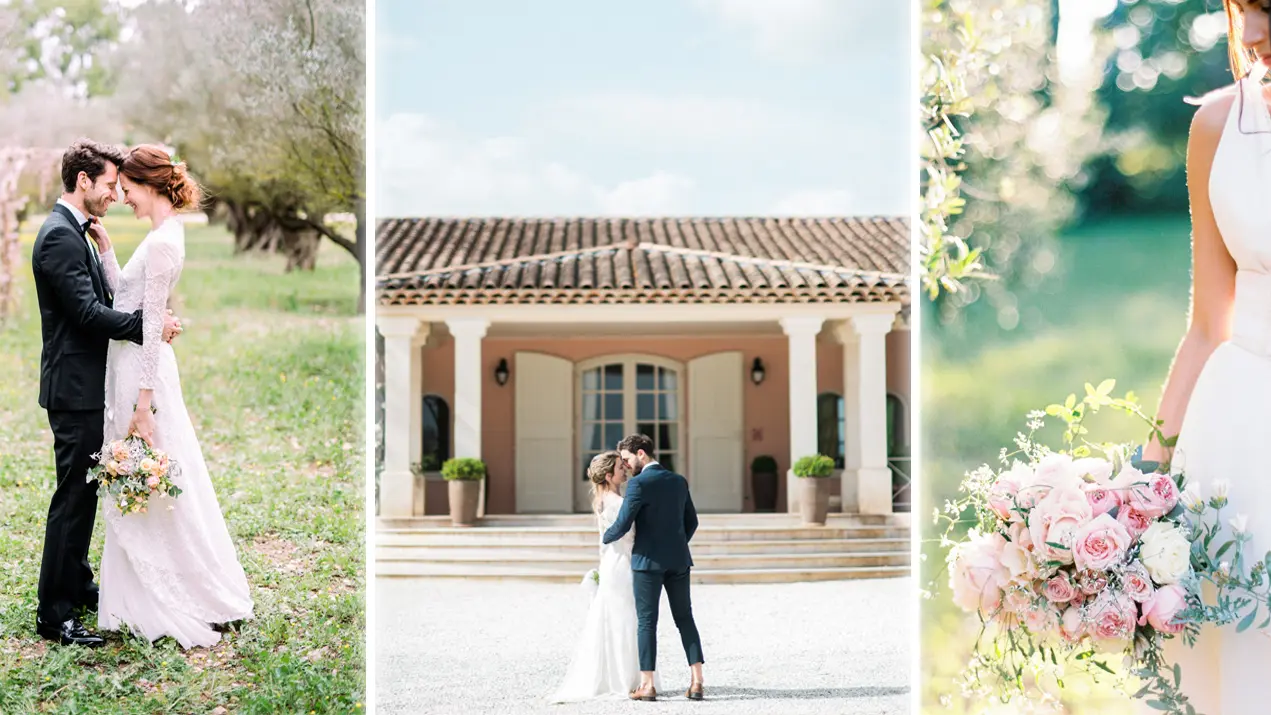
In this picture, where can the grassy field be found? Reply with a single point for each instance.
(1118, 310)
(271, 367)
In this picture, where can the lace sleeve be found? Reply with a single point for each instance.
(163, 260)
(111, 265)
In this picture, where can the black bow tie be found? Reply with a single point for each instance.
(84, 228)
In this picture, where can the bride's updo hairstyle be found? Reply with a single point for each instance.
(151, 165)
(600, 468)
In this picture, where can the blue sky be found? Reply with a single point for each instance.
(657, 107)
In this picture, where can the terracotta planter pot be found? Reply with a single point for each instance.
(814, 499)
(464, 495)
(763, 486)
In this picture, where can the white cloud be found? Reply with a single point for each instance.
(674, 121)
(816, 202)
(425, 167)
(808, 29)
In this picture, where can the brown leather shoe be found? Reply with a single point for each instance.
(694, 692)
(649, 695)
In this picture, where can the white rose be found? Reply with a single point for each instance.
(1166, 553)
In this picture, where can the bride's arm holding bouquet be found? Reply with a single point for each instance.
(162, 262)
(1213, 280)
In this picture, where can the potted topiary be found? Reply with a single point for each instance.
(465, 475)
(763, 483)
(814, 488)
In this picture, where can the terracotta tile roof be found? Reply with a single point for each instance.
(578, 261)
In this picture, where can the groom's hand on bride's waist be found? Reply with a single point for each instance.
(171, 327)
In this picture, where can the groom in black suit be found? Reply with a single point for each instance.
(77, 323)
(658, 504)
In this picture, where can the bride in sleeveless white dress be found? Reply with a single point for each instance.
(171, 571)
(606, 661)
(1218, 395)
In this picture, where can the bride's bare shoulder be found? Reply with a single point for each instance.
(1212, 112)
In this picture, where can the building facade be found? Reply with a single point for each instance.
(533, 344)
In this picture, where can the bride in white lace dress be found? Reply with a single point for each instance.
(606, 661)
(171, 571)
(1218, 393)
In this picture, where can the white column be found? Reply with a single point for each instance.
(802, 334)
(866, 475)
(468, 333)
(397, 483)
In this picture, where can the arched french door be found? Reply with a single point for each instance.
(620, 395)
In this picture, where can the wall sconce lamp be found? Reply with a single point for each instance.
(501, 372)
(757, 371)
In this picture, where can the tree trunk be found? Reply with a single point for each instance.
(360, 212)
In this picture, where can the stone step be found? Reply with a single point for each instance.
(701, 576)
(397, 544)
(582, 562)
(494, 536)
(705, 520)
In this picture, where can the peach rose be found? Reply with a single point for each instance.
(1072, 624)
(1134, 519)
(1111, 621)
(1099, 470)
(978, 576)
(1002, 496)
(152, 482)
(1100, 543)
(1056, 520)
(1042, 620)
(1136, 583)
(1060, 588)
(147, 465)
(1159, 610)
(120, 451)
(112, 468)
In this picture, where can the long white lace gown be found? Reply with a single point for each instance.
(606, 661)
(170, 571)
(1227, 426)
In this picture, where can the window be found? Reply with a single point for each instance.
(897, 437)
(624, 396)
(436, 434)
(830, 427)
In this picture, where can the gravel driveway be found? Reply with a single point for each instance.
(460, 647)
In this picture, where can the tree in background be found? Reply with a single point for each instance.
(1006, 142)
(273, 120)
(1164, 51)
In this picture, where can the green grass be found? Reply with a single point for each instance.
(271, 368)
(1117, 309)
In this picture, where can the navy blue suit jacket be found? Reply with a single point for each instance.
(658, 504)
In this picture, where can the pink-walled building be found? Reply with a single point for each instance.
(534, 344)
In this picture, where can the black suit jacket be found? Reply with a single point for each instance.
(77, 321)
(658, 504)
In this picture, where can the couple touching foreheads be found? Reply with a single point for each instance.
(644, 549)
(107, 371)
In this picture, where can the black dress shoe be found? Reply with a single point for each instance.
(68, 632)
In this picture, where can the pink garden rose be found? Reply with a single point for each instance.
(1162, 492)
(1092, 583)
(1002, 496)
(1111, 621)
(1134, 519)
(1136, 583)
(1018, 561)
(1101, 543)
(1017, 600)
(1060, 588)
(1054, 471)
(152, 482)
(1153, 494)
(1042, 619)
(1160, 609)
(978, 576)
(1102, 497)
(1056, 520)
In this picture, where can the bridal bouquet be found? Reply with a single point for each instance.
(591, 582)
(1087, 558)
(129, 472)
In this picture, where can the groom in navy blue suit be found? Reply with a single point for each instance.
(658, 504)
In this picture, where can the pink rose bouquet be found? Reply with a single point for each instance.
(1087, 557)
(129, 472)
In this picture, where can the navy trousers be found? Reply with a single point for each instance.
(648, 587)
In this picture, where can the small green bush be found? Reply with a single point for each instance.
(466, 468)
(764, 464)
(817, 465)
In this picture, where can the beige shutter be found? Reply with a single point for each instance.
(544, 433)
(715, 420)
